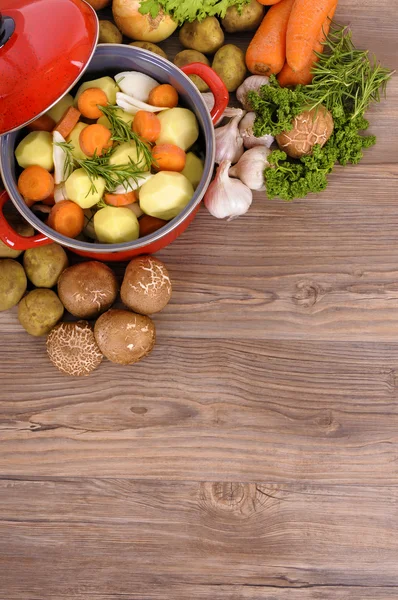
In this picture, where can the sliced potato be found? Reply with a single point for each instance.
(165, 195)
(78, 189)
(126, 152)
(116, 225)
(107, 84)
(119, 113)
(36, 149)
(179, 127)
(193, 169)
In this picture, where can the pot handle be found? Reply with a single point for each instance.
(11, 238)
(215, 84)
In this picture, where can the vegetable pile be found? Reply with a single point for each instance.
(97, 166)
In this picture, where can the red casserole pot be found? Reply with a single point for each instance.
(110, 59)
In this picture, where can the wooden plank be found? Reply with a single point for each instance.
(188, 535)
(279, 411)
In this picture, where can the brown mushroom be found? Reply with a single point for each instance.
(72, 348)
(146, 287)
(311, 127)
(124, 337)
(88, 289)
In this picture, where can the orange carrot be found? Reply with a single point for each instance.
(95, 139)
(89, 101)
(287, 77)
(35, 184)
(68, 122)
(268, 2)
(305, 22)
(163, 95)
(49, 201)
(147, 126)
(67, 218)
(43, 123)
(168, 157)
(267, 51)
(121, 199)
(149, 225)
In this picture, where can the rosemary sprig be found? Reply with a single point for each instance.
(122, 132)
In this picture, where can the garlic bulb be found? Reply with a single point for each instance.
(250, 168)
(227, 198)
(210, 101)
(59, 157)
(251, 84)
(229, 142)
(135, 84)
(132, 105)
(247, 133)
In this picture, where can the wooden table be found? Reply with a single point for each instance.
(254, 455)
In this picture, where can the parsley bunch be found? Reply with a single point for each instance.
(189, 10)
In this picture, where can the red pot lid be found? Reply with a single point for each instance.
(45, 46)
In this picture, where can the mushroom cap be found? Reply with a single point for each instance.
(146, 287)
(309, 128)
(124, 337)
(72, 348)
(88, 289)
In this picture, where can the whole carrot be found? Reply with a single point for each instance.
(267, 51)
(305, 22)
(268, 2)
(288, 77)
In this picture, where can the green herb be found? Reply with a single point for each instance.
(346, 81)
(122, 132)
(189, 10)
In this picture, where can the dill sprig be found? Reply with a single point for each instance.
(99, 166)
(122, 132)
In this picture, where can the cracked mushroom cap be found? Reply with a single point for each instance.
(124, 337)
(309, 128)
(146, 287)
(72, 348)
(88, 289)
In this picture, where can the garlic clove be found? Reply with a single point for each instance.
(251, 166)
(247, 132)
(59, 156)
(251, 84)
(135, 84)
(229, 142)
(132, 105)
(227, 198)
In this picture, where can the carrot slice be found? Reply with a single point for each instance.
(287, 77)
(67, 218)
(50, 201)
(95, 139)
(89, 101)
(267, 51)
(43, 123)
(149, 225)
(35, 184)
(168, 157)
(147, 126)
(164, 95)
(68, 122)
(305, 22)
(120, 199)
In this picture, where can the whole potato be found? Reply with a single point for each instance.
(248, 20)
(44, 264)
(109, 33)
(99, 4)
(229, 64)
(150, 47)
(189, 56)
(23, 229)
(39, 311)
(12, 283)
(205, 36)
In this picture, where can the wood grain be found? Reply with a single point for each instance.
(276, 363)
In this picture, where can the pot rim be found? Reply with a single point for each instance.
(96, 248)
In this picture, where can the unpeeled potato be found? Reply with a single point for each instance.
(150, 47)
(99, 4)
(109, 33)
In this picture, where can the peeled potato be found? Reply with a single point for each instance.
(36, 149)
(73, 138)
(125, 152)
(58, 111)
(78, 189)
(179, 127)
(120, 113)
(109, 33)
(106, 84)
(116, 225)
(193, 169)
(165, 195)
